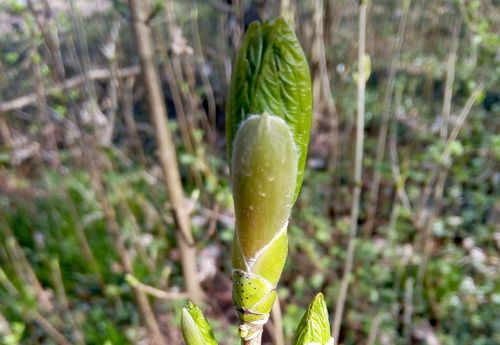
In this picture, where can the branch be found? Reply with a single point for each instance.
(96, 74)
(150, 290)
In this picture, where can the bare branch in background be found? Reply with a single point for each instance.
(386, 117)
(166, 149)
(358, 169)
(77, 81)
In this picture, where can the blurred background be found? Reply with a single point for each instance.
(91, 248)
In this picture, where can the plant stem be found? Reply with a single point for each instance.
(277, 317)
(166, 149)
(450, 78)
(360, 123)
(255, 341)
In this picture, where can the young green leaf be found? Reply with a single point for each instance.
(314, 328)
(195, 327)
(271, 75)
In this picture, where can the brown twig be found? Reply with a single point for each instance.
(150, 290)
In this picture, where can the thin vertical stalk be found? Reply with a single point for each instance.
(126, 261)
(440, 174)
(358, 169)
(25, 271)
(450, 78)
(109, 52)
(446, 112)
(204, 79)
(33, 315)
(386, 117)
(175, 79)
(284, 7)
(62, 300)
(54, 334)
(408, 310)
(5, 329)
(50, 37)
(82, 50)
(5, 133)
(326, 91)
(83, 241)
(166, 149)
(46, 124)
(180, 77)
(372, 335)
(90, 155)
(277, 317)
(136, 233)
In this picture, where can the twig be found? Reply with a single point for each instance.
(50, 38)
(33, 315)
(450, 77)
(96, 74)
(396, 171)
(83, 241)
(408, 310)
(440, 175)
(325, 87)
(135, 235)
(26, 272)
(372, 336)
(47, 126)
(360, 123)
(109, 51)
(5, 330)
(150, 290)
(5, 133)
(204, 78)
(48, 328)
(63, 300)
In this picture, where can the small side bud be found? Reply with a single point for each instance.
(195, 327)
(314, 328)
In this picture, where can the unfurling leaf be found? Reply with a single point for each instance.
(314, 328)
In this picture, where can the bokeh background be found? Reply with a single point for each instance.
(83, 199)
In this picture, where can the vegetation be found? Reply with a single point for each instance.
(115, 201)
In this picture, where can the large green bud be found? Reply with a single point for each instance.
(271, 75)
(264, 168)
